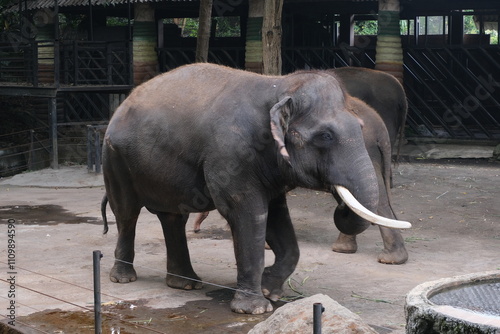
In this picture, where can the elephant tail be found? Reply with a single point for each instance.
(104, 203)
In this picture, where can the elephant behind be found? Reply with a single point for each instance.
(378, 145)
(381, 91)
(204, 137)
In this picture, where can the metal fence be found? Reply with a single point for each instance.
(323, 58)
(29, 150)
(24, 150)
(170, 58)
(453, 92)
(67, 63)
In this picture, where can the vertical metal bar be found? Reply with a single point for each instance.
(91, 32)
(97, 150)
(89, 148)
(318, 309)
(31, 152)
(53, 131)
(109, 64)
(416, 28)
(34, 48)
(75, 62)
(97, 291)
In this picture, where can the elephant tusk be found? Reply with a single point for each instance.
(364, 213)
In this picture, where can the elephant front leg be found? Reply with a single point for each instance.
(180, 273)
(345, 244)
(394, 248)
(249, 239)
(282, 240)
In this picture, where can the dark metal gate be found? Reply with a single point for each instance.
(453, 92)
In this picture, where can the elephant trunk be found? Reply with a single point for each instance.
(352, 217)
(363, 185)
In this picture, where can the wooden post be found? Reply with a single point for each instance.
(271, 37)
(205, 23)
(346, 30)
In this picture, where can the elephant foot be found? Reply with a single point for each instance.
(398, 256)
(271, 286)
(122, 273)
(184, 283)
(250, 304)
(345, 244)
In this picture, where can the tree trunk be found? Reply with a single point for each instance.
(389, 51)
(204, 27)
(271, 37)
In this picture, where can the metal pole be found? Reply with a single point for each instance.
(89, 149)
(31, 153)
(318, 309)
(97, 291)
(53, 131)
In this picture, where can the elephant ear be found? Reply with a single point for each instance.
(280, 116)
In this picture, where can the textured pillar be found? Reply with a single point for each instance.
(389, 57)
(44, 23)
(253, 46)
(145, 59)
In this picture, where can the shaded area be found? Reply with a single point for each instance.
(48, 214)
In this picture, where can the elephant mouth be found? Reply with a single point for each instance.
(366, 214)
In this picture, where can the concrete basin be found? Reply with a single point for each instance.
(466, 304)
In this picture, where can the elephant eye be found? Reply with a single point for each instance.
(324, 139)
(326, 136)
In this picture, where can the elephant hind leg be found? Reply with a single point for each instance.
(394, 248)
(123, 270)
(180, 273)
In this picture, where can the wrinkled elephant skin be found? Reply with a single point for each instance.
(204, 137)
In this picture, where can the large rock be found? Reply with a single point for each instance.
(297, 318)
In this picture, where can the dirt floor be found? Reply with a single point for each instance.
(453, 205)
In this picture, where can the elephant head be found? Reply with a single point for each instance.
(322, 147)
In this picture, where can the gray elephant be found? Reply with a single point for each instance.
(385, 97)
(382, 92)
(205, 137)
(378, 145)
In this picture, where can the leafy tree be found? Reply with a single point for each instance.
(8, 21)
(228, 26)
(470, 25)
(369, 27)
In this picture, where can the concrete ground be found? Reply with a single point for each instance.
(453, 206)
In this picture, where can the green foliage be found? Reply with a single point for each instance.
(224, 26)
(366, 27)
(470, 25)
(227, 26)
(112, 21)
(493, 36)
(190, 27)
(8, 21)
